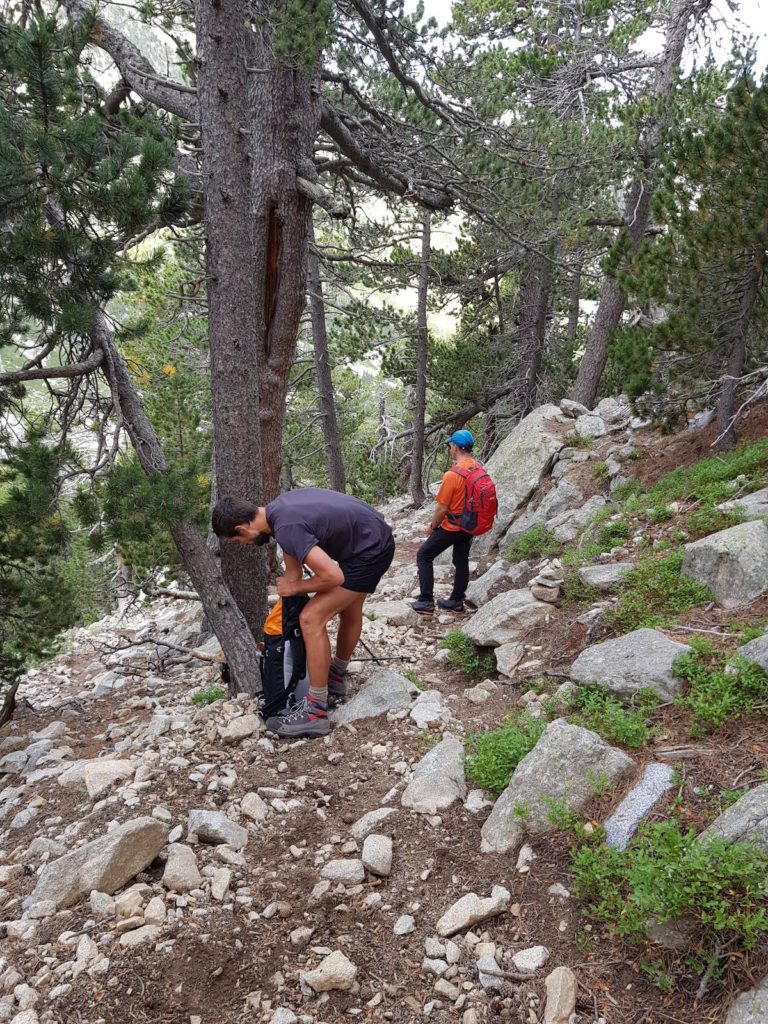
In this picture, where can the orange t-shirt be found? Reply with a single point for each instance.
(453, 491)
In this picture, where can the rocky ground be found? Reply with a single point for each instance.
(167, 861)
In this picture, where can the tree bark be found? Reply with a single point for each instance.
(284, 113)
(334, 461)
(737, 355)
(223, 54)
(636, 211)
(530, 332)
(422, 346)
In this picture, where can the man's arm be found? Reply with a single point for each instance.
(441, 511)
(327, 575)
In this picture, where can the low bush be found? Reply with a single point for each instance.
(462, 652)
(537, 542)
(666, 874)
(209, 694)
(493, 755)
(654, 592)
(718, 689)
(597, 710)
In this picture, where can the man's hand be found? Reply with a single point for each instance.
(287, 586)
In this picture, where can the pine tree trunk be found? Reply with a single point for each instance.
(737, 355)
(422, 346)
(574, 303)
(334, 461)
(284, 119)
(234, 325)
(636, 211)
(530, 332)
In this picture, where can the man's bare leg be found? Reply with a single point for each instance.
(315, 617)
(350, 627)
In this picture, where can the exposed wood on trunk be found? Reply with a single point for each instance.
(422, 346)
(334, 461)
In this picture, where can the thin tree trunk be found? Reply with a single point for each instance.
(225, 616)
(334, 461)
(223, 54)
(530, 332)
(737, 355)
(422, 347)
(574, 303)
(636, 211)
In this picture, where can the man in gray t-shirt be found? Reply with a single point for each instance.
(348, 546)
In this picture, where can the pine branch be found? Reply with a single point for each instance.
(49, 372)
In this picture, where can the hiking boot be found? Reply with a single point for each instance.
(337, 686)
(423, 607)
(306, 719)
(451, 605)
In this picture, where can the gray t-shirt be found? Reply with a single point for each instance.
(344, 527)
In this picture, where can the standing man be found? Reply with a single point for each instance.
(444, 531)
(348, 546)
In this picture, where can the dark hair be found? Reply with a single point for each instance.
(229, 513)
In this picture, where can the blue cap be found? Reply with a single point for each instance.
(462, 438)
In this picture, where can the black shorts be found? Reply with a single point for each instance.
(362, 574)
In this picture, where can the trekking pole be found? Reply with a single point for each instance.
(378, 657)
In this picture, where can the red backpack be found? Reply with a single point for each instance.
(480, 504)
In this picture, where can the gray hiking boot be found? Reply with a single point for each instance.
(306, 719)
(451, 605)
(423, 607)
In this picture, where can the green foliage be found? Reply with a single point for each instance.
(494, 754)
(667, 875)
(601, 471)
(409, 673)
(209, 695)
(712, 480)
(598, 710)
(464, 654)
(718, 690)
(537, 542)
(709, 519)
(654, 592)
(577, 592)
(38, 596)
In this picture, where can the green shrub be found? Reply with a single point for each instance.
(494, 754)
(409, 673)
(599, 711)
(537, 542)
(660, 514)
(464, 654)
(710, 519)
(654, 592)
(711, 480)
(718, 690)
(209, 694)
(601, 471)
(577, 592)
(666, 875)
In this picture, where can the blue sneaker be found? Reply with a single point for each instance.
(423, 607)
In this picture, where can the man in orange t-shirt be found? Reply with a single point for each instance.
(444, 533)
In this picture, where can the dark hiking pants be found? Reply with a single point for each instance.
(434, 545)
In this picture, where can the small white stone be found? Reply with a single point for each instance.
(531, 959)
(403, 925)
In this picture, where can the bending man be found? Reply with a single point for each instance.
(319, 529)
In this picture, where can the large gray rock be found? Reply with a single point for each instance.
(556, 501)
(394, 613)
(335, 972)
(638, 660)
(101, 774)
(505, 619)
(562, 770)
(568, 525)
(751, 506)
(501, 574)
(756, 651)
(751, 1007)
(604, 577)
(733, 563)
(438, 779)
(746, 821)
(385, 691)
(105, 864)
(518, 464)
(591, 425)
